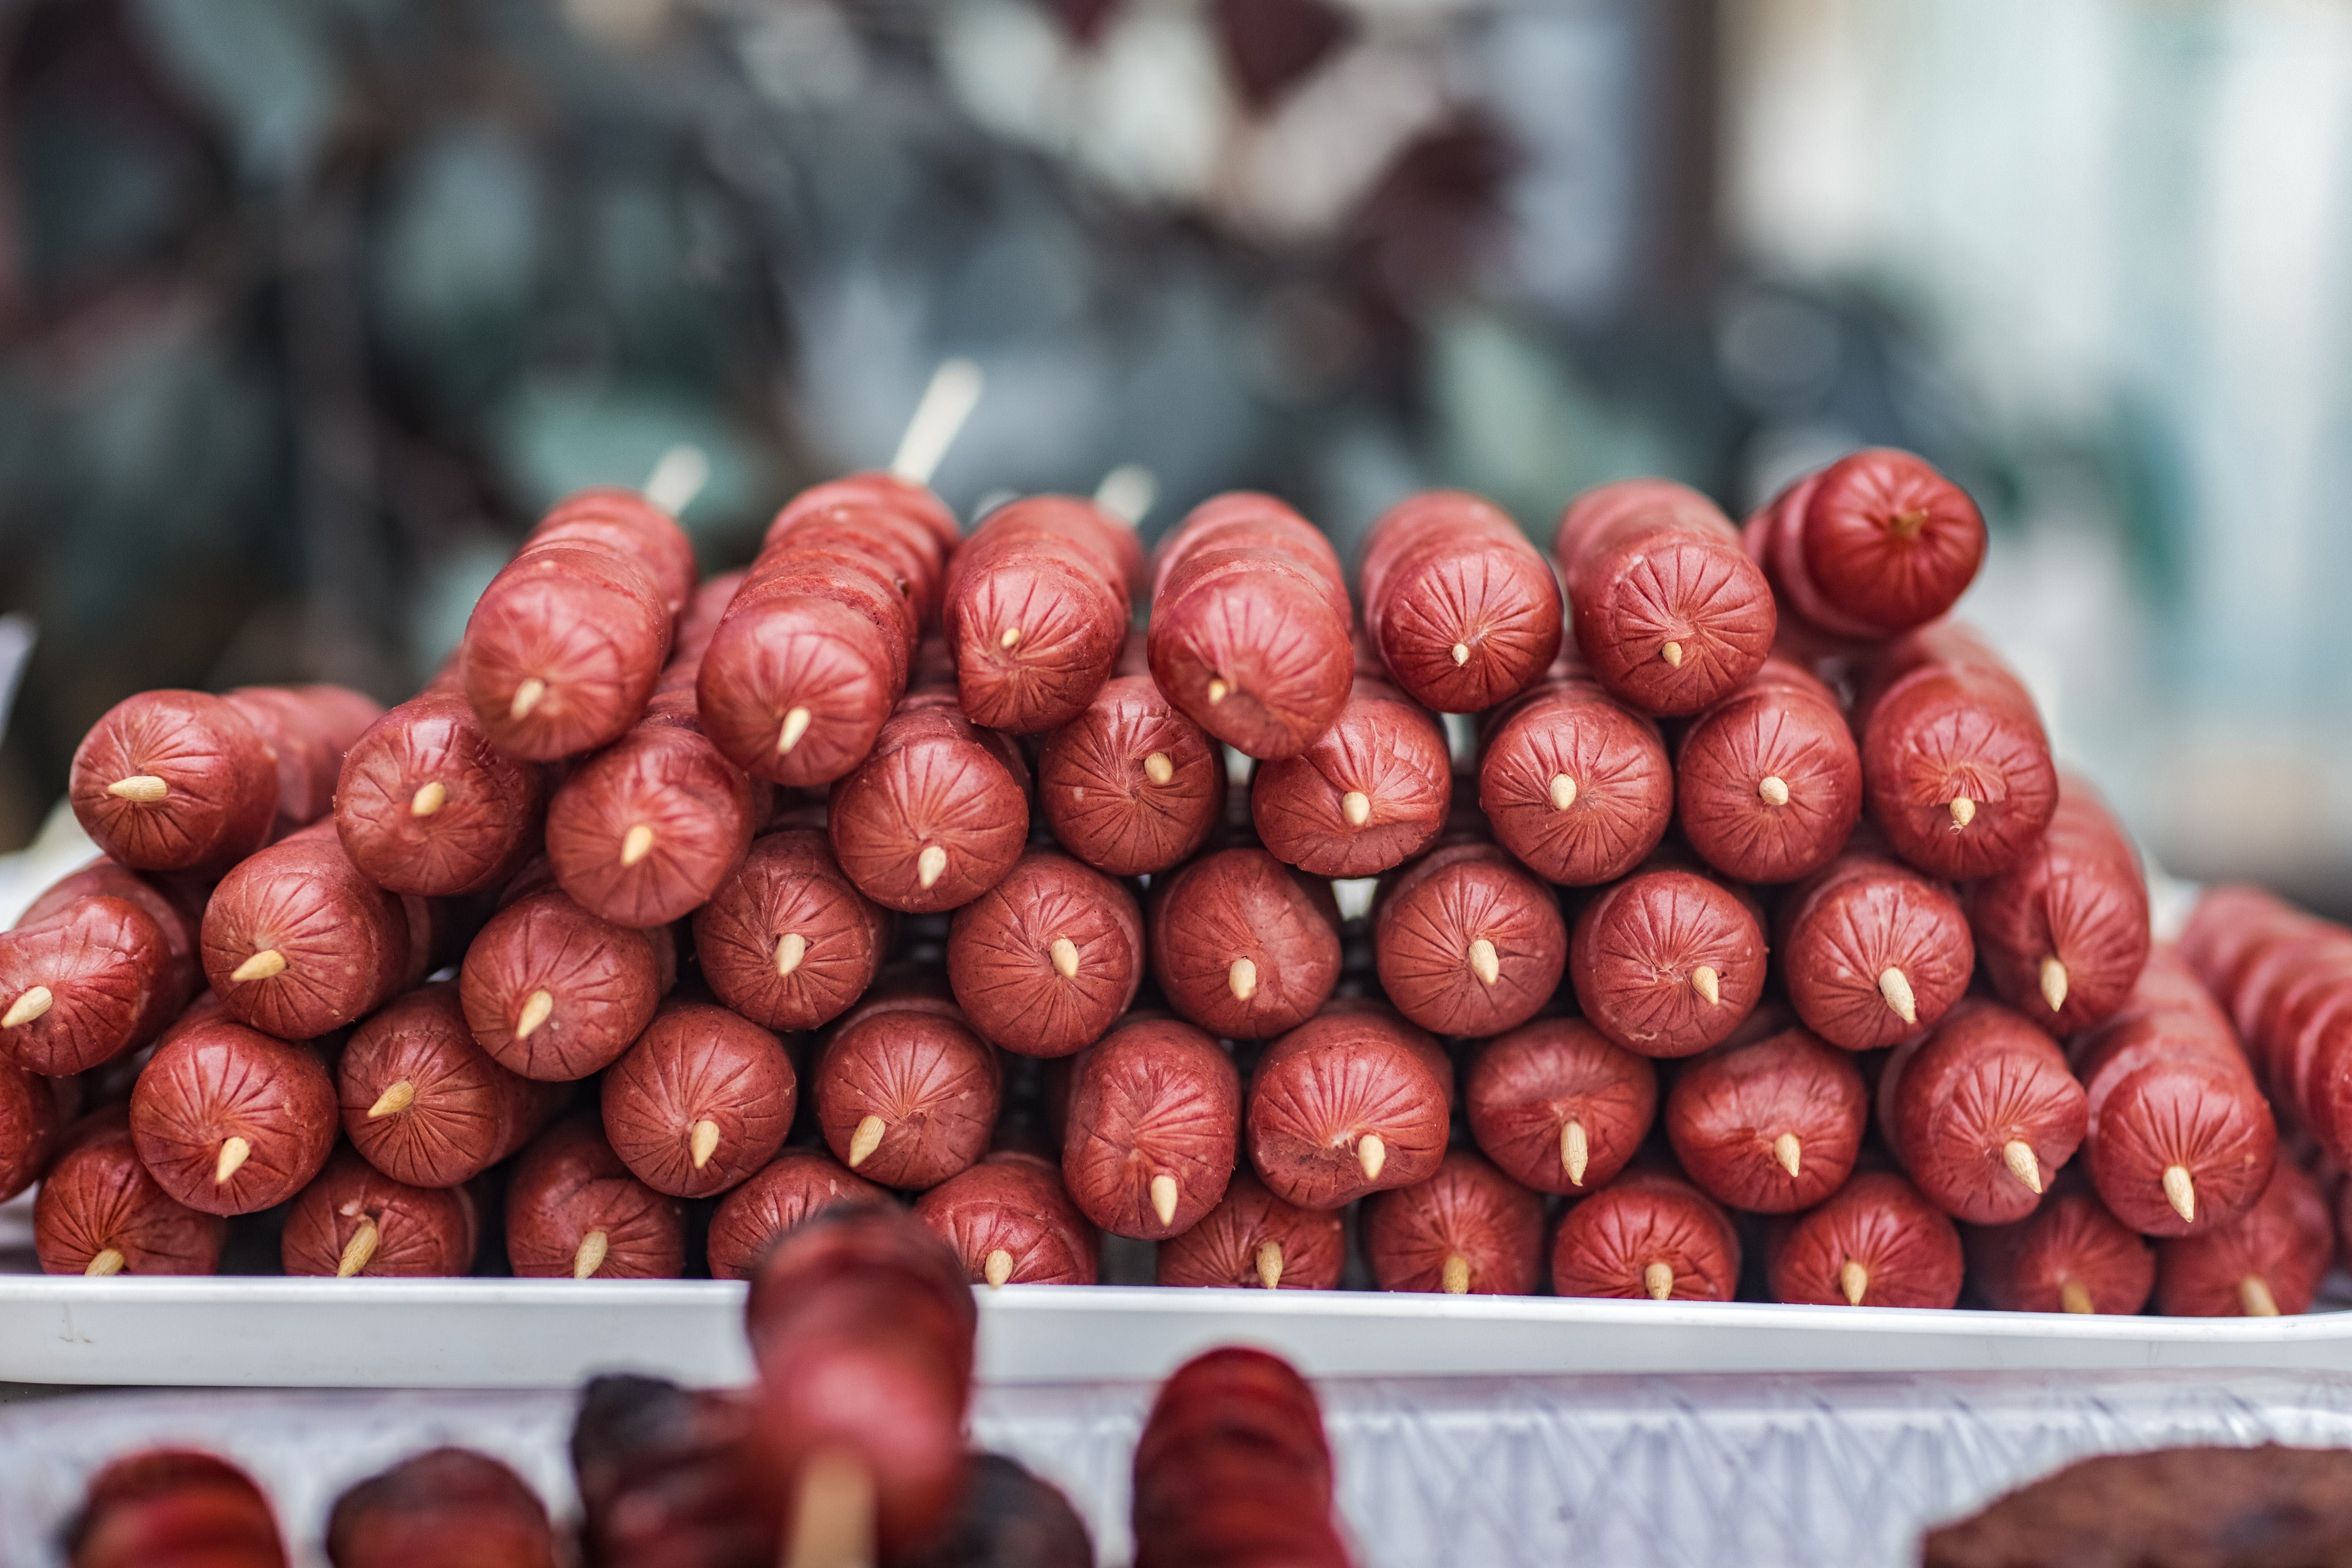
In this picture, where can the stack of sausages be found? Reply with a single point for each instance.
(1757, 927)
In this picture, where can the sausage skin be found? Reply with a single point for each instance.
(1130, 786)
(1874, 953)
(1011, 1222)
(1768, 783)
(796, 1185)
(1242, 945)
(1646, 1236)
(936, 815)
(1253, 1239)
(1468, 1229)
(2065, 931)
(1463, 609)
(1771, 1125)
(99, 1212)
(575, 1212)
(426, 804)
(230, 1121)
(2069, 1256)
(1870, 546)
(1558, 1106)
(1874, 1243)
(1981, 1112)
(700, 1103)
(1467, 942)
(1575, 783)
(554, 994)
(352, 1220)
(423, 1103)
(906, 1092)
(788, 941)
(163, 1508)
(1667, 962)
(1367, 794)
(298, 943)
(1043, 962)
(1151, 1130)
(2266, 1263)
(1233, 1467)
(1037, 606)
(1354, 1101)
(96, 968)
(445, 1505)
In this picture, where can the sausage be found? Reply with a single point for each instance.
(298, 943)
(1367, 794)
(1130, 786)
(1646, 1234)
(1668, 611)
(787, 940)
(426, 804)
(906, 1092)
(1253, 1238)
(1463, 609)
(936, 816)
(164, 1508)
(1251, 627)
(862, 1322)
(1667, 962)
(1009, 1518)
(96, 968)
(231, 1121)
(2068, 1256)
(1873, 952)
(1954, 764)
(99, 1212)
(1233, 1467)
(1242, 945)
(1870, 546)
(1874, 1243)
(1771, 1125)
(564, 647)
(2178, 1139)
(30, 1123)
(1981, 1112)
(1043, 962)
(671, 1475)
(554, 994)
(697, 624)
(444, 1505)
(1354, 1101)
(1466, 1229)
(2225, 929)
(2266, 1263)
(175, 780)
(1467, 942)
(354, 1219)
(1558, 1106)
(701, 1102)
(1767, 780)
(1011, 1222)
(1036, 610)
(2065, 931)
(308, 730)
(574, 1211)
(919, 530)
(643, 832)
(1154, 1119)
(423, 1103)
(796, 1185)
(1576, 783)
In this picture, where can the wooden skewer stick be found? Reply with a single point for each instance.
(536, 1008)
(395, 1099)
(677, 476)
(865, 1140)
(1163, 1199)
(1371, 1153)
(1789, 1153)
(946, 403)
(1575, 1152)
(833, 1514)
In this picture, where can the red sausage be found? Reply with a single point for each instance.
(352, 1219)
(1667, 962)
(427, 805)
(30, 1123)
(1254, 1239)
(425, 1104)
(1559, 1107)
(1873, 952)
(1354, 1101)
(1771, 1125)
(788, 941)
(666, 1474)
(1367, 794)
(2065, 931)
(1154, 1119)
(1037, 606)
(862, 1324)
(174, 780)
(552, 993)
(1242, 945)
(96, 968)
(1467, 1229)
(445, 1505)
(1467, 942)
(308, 730)
(937, 815)
(99, 1212)
(2069, 1256)
(906, 1093)
(230, 1121)
(796, 1185)
(701, 1102)
(1012, 1222)
(1575, 783)
(1463, 610)
(2180, 1139)
(1130, 785)
(1233, 1468)
(2225, 929)
(1646, 1236)
(564, 645)
(2266, 1263)
(1250, 625)
(168, 1509)
(573, 1211)
(1955, 765)
(1043, 962)
(1668, 612)
(298, 943)
(1767, 780)
(1875, 1243)
(1871, 546)
(1981, 1112)
(1010, 1519)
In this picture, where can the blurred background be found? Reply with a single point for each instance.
(308, 306)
